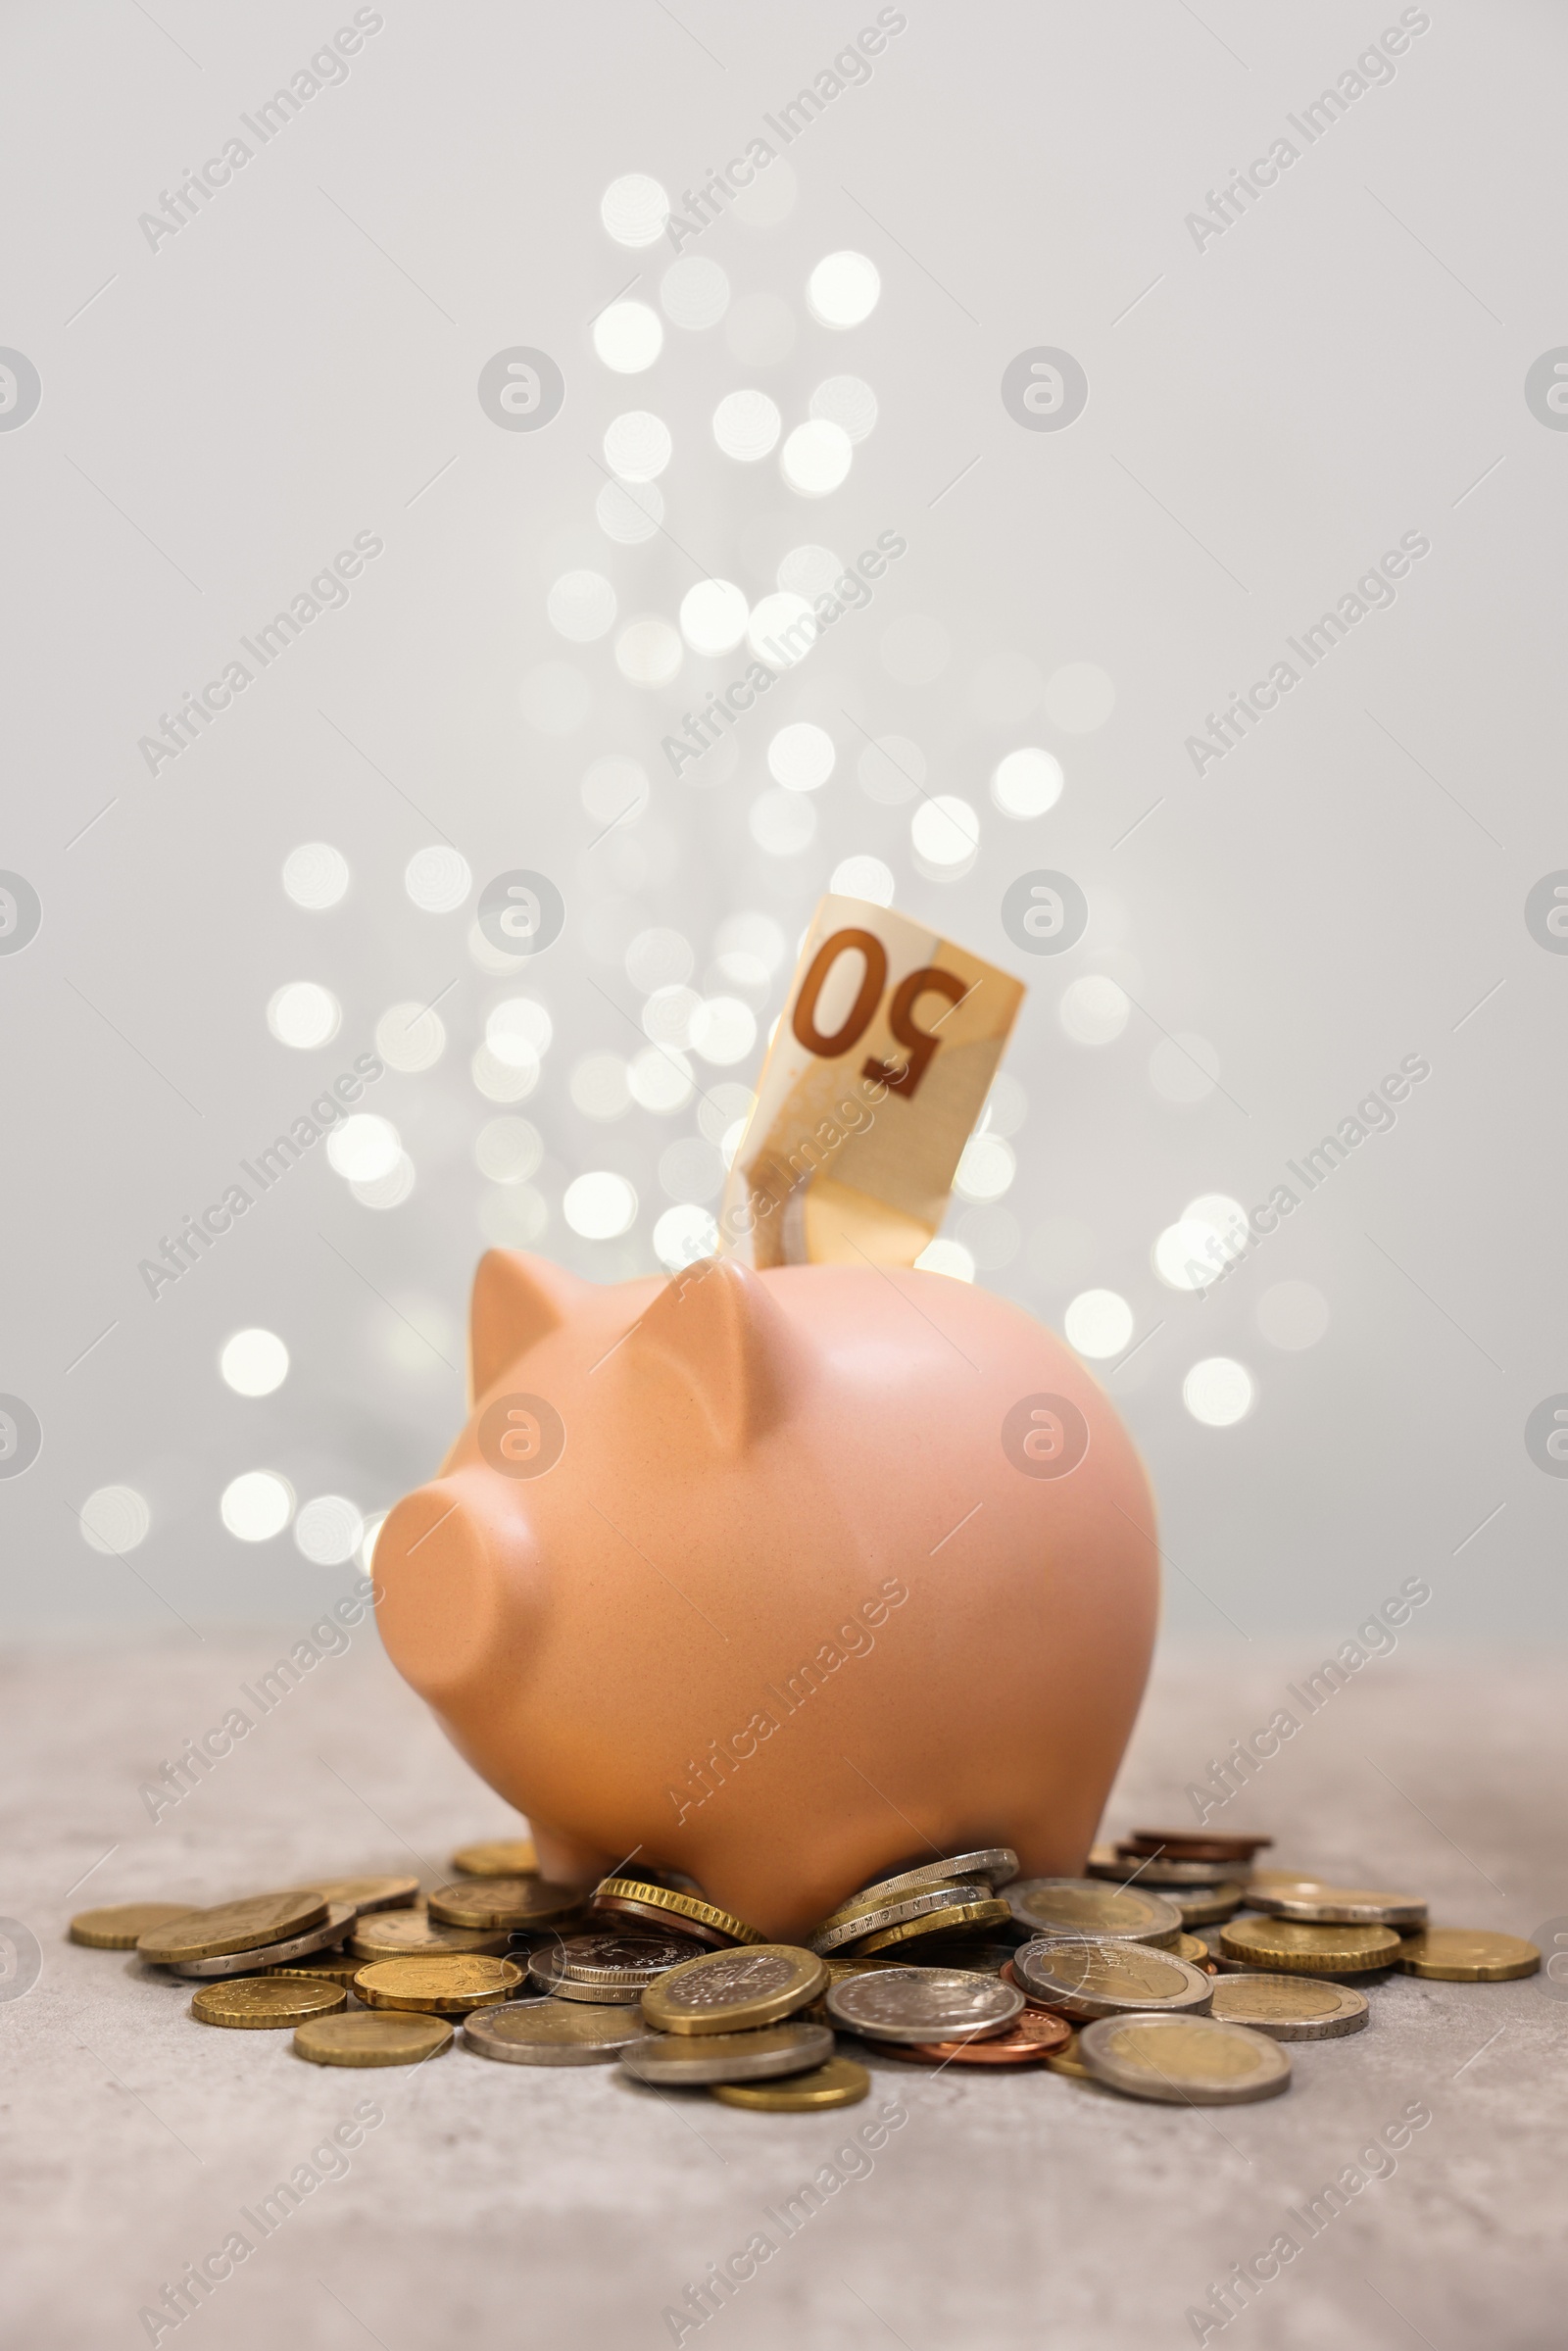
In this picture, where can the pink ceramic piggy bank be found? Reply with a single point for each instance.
(780, 1579)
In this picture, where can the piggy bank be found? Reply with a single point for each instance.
(781, 1579)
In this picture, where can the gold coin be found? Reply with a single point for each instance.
(330, 1967)
(1469, 1955)
(1299, 1950)
(486, 1903)
(839, 1969)
(406, 1934)
(1207, 1905)
(1067, 2061)
(448, 1984)
(381, 2039)
(369, 1893)
(1189, 1948)
(244, 1925)
(731, 1992)
(263, 2001)
(120, 1926)
(1247, 2000)
(839, 2082)
(992, 1911)
(500, 1857)
(677, 1905)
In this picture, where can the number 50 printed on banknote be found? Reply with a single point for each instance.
(879, 1067)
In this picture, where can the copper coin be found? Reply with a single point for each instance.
(626, 1906)
(1196, 1952)
(682, 1913)
(1035, 2034)
(1182, 1844)
(675, 1881)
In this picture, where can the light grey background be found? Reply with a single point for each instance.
(1265, 416)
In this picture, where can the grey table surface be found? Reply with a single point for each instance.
(524, 2207)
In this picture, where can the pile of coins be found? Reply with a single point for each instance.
(958, 1961)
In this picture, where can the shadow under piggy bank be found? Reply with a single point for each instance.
(777, 1578)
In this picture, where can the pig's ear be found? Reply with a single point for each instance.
(516, 1300)
(715, 1340)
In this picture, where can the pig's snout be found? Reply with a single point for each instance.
(439, 1601)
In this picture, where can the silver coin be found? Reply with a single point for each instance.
(1207, 1905)
(1339, 1905)
(642, 1952)
(993, 1865)
(1177, 1877)
(1087, 1907)
(680, 2059)
(1081, 1977)
(1183, 2061)
(1289, 2007)
(339, 1918)
(863, 1915)
(918, 2003)
(592, 1995)
(609, 1967)
(552, 2032)
(1128, 1870)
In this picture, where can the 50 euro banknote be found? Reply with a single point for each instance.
(879, 1067)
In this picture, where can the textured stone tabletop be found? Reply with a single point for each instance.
(509, 2206)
